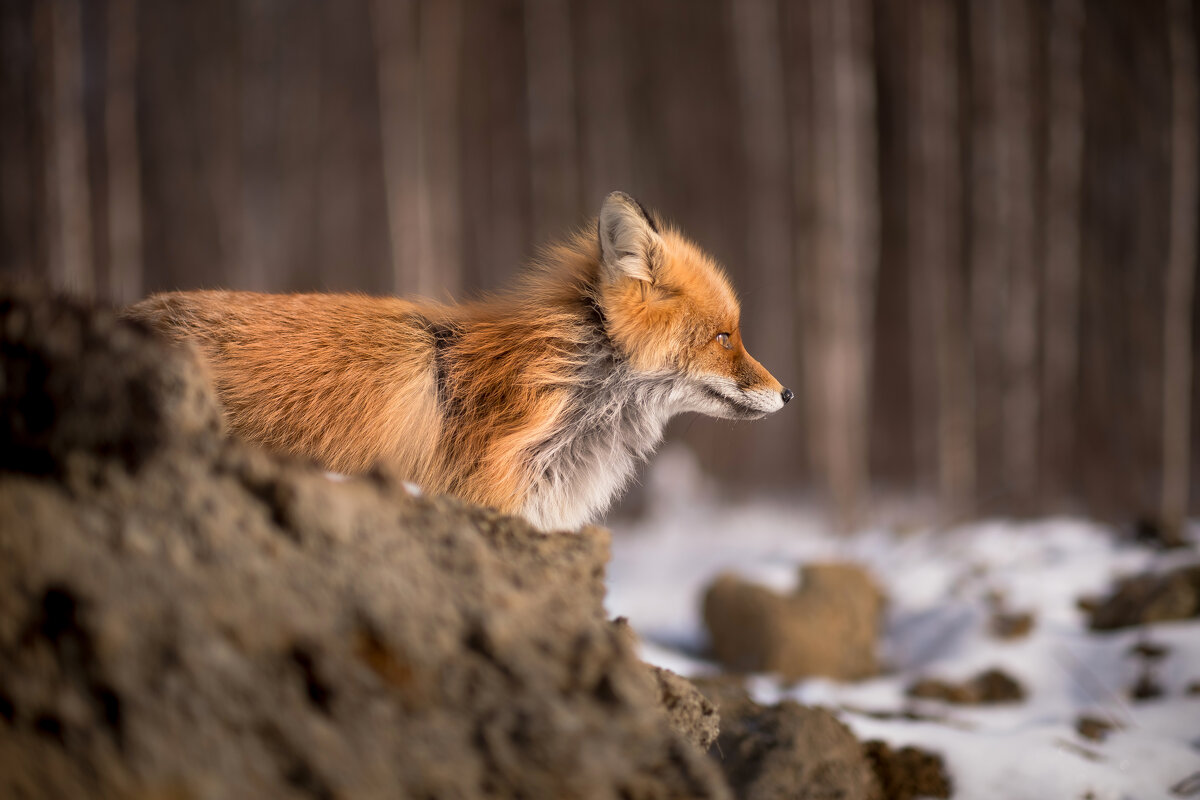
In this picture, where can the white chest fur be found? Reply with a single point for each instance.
(596, 453)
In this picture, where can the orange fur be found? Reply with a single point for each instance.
(479, 399)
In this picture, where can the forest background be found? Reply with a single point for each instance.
(963, 232)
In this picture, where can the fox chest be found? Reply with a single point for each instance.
(580, 472)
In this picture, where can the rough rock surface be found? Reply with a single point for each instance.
(691, 713)
(1153, 597)
(72, 381)
(183, 617)
(786, 751)
(828, 626)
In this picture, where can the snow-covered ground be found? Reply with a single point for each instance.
(941, 589)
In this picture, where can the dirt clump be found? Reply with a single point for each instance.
(908, 772)
(785, 751)
(990, 687)
(1147, 598)
(1011, 625)
(1094, 728)
(183, 616)
(827, 627)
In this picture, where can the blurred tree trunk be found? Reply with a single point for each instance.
(1002, 255)
(396, 27)
(354, 244)
(1021, 412)
(989, 295)
(123, 173)
(258, 169)
(799, 84)
(1061, 255)
(495, 144)
(218, 137)
(602, 96)
(57, 26)
(1126, 212)
(770, 330)
(553, 139)
(903, 452)
(22, 185)
(299, 128)
(845, 248)
(418, 48)
(1181, 270)
(938, 294)
(441, 64)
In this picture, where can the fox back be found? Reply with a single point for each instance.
(540, 401)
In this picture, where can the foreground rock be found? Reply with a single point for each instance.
(786, 751)
(828, 627)
(73, 381)
(691, 713)
(181, 617)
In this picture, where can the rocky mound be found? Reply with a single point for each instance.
(183, 617)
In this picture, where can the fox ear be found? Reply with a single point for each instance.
(630, 245)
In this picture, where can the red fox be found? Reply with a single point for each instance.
(540, 401)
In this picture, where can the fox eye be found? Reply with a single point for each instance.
(723, 340)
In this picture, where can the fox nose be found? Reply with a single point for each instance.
(787, 395)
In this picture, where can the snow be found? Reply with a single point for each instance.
(942, 588)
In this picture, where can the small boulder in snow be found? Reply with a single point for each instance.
(828, 627)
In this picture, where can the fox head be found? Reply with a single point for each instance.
(671, 311)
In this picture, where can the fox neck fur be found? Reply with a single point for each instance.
(603, 417)
(541, 401)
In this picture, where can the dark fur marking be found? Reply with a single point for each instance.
(646, 215)
(713, 393)
(736, 406)
(595, 315)
(444, 338)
